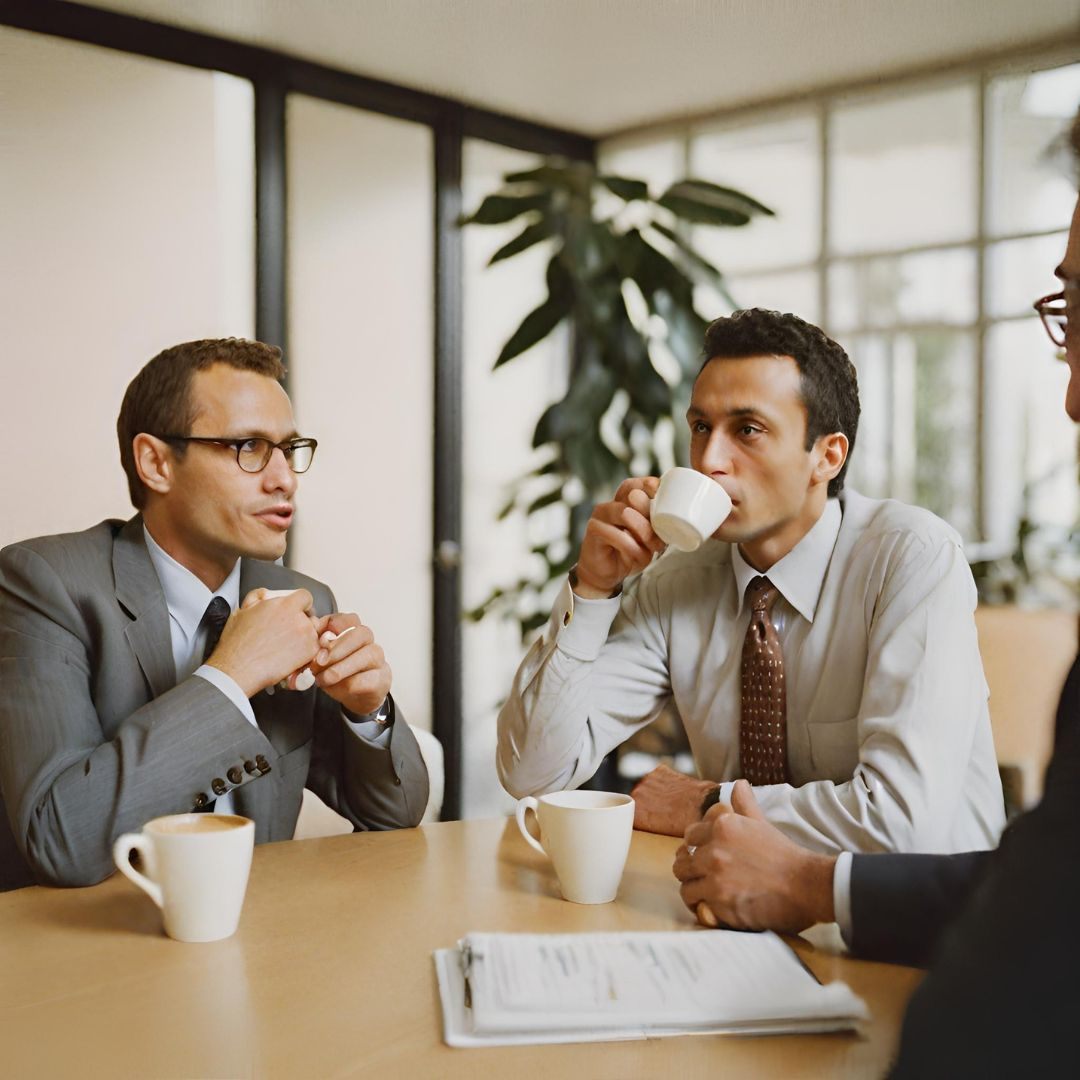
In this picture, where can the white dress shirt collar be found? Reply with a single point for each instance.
(800, 574)
(185, 595)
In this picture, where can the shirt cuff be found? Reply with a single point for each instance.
(841, 895)
(372, 728)
(581, 626)
(227, 685)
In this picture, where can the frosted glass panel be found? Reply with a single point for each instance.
(927, 287)
(795, 291)
(916, 439)
(127, 217)
(659, 162)
(904, 170)
(360, 285)
(1019, 272)
(870, 462)
(1028, 188)
(1034, 442)
(777, 162)
(501, 410)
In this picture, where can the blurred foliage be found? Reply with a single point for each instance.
(622, 275)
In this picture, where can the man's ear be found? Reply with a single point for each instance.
(831, 453)
(154, 462)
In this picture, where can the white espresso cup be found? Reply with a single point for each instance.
(586, 834)
(196, 871)
(688, 508)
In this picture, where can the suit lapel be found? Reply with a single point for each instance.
(140, 593)
(255, 574)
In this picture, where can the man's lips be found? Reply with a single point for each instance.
(280, 516)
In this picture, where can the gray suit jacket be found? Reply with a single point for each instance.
(97, 737)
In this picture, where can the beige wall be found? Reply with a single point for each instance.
(500, 410)
(360, 357)
(125, 226)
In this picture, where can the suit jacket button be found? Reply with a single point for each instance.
(218, 786)
(251, 767)
(397, 781)
(235, 775)
(200, 801)
(263, 764)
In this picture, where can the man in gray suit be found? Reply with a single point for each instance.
(139, 660)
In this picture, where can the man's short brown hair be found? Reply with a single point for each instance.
(158, 399)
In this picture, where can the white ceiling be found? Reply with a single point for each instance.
(598, 66)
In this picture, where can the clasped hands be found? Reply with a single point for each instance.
(273, 638)
(738, 870)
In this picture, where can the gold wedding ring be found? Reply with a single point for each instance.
(705, 915)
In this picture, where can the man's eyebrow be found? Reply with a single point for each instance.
(736, 412)
(262, 433)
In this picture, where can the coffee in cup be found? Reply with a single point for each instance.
(196, 870)
(688, 508)
(586, 834)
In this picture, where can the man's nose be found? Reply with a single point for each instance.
(716, 456)
(277, 476)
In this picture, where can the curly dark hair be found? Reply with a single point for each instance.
(830, 387)
(158, 400)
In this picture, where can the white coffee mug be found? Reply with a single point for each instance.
(688, 508)
(586, 834)
(196, 871)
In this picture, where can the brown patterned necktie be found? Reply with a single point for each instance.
(763, 729)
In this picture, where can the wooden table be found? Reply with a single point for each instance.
(330, 973)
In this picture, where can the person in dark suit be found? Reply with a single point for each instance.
(998, 929)
(157, 666)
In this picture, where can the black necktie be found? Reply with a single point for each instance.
(215, 618)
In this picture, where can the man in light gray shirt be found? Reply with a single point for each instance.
(142, 662)
(997, 928)
(882, 734)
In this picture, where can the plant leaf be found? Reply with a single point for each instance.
(496, 209)
(651, 269)
(548, 175)
(625, 188)
(699, 262)
(588, 397)
(535, 327)
(701, 213)
(545, 500)
(710, 194)
(532, 234)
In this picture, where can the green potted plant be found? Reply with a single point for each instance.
(623, 273)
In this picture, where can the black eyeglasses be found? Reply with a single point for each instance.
(253, 454)
(1054, 313)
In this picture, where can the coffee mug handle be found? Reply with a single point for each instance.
(122, 850)
(528, 803)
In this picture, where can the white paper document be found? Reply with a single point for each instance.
(500, 989)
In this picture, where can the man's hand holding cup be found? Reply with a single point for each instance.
(683, 508)
(345, 660)
(267, 639)
(619, 540)
(350, 665)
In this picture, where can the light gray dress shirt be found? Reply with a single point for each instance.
(889, 742)
(187, 599)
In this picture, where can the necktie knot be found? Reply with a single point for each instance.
(214, 619)
(761, 594)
